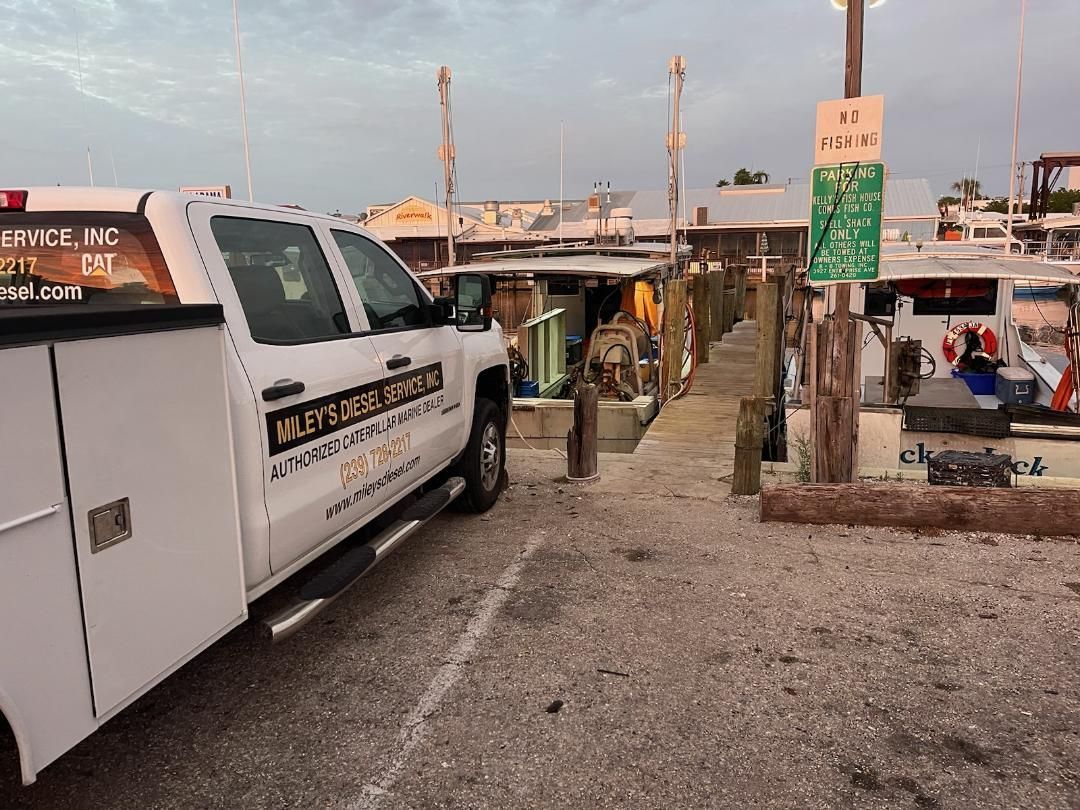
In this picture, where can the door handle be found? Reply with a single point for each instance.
(398, 361)
(284, 388)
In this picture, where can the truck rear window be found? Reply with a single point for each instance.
(92, 258)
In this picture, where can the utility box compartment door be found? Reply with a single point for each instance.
(150, 466)
(43, 671)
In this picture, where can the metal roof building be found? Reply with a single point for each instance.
(741, 207)
(735, 223)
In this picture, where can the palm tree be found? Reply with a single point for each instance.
(969, 189)
(722, 182)
(745, 177)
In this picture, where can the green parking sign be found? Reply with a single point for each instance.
(845, 221)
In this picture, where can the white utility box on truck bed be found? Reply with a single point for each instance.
(201, 397)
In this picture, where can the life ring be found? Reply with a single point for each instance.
(952, 337)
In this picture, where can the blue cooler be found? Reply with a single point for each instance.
(1014, 385)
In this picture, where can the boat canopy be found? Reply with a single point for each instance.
(948, 266)
(587, 266)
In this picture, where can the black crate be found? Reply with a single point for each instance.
(960, 469)
(969, 421)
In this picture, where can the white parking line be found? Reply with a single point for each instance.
(414, 728)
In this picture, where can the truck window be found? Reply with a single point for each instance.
(282, 278)
(93, 258)
(391, 299)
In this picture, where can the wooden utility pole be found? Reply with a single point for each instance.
(834, 405)
(446, 155)
(677, 69)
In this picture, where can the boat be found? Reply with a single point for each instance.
(578, 311)
(943, 364)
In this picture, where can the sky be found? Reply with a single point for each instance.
(343, 105)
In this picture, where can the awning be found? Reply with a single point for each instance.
(578, 266)
(977, 266)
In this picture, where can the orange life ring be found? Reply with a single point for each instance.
(952, 337)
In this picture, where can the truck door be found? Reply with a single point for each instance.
(312, 373)
(422, 361)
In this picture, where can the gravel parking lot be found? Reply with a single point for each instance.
(574, 648)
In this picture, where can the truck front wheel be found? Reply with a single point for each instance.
(485, 458)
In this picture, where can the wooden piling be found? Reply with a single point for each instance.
(702, 329)
(716, 305)
(740, 293)
(767, 369)
(749, 435)
(674, 336)
(581, 460)
(728, 313)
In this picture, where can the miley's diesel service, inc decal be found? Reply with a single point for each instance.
(299, 424)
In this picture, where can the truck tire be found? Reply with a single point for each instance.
(484, 460)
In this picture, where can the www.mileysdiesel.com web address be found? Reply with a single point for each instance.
(39, 293)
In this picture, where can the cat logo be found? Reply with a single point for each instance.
(97, 264)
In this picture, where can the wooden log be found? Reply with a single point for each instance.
(767, 369)
(673, 337)
(716, 305)
(749, 434)
(1025, 510)
(702, 329)
(581, 460)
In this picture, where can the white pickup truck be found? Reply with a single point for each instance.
(201, 397)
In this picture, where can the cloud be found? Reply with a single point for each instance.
(343, 108)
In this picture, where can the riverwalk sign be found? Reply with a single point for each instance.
(846, 203)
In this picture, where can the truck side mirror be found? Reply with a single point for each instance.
(472, 302)
(442, 311)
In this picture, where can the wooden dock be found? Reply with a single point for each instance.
(689, 448)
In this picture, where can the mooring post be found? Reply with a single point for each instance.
(673, 339)
(581, 460)
(767, 370)
(702, 329)
(716, 305)
(749, 436)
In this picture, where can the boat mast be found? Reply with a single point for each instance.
(676, 68)
(446, 155)
(1016, 128)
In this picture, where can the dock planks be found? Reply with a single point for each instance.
(689, 448)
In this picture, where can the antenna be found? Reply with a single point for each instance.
(243, 99)
(562, 161)
(446, 154)
(82, 104)
(1016, 133)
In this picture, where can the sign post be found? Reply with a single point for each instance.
(848, 137)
